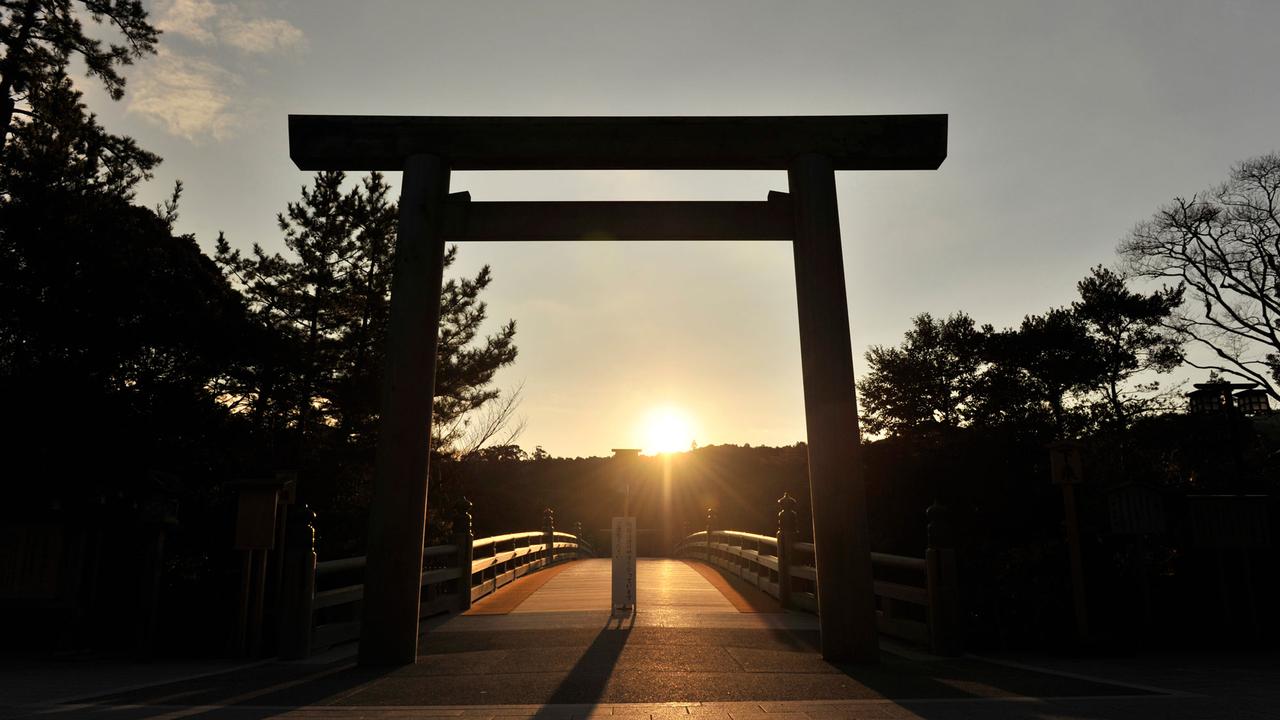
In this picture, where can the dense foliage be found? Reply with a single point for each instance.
(326, 302)
(1068, 371)
(41, 37)
(147, 375)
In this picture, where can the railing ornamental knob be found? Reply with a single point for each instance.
(301, 527)
(462, 517)
(941, 529)
(548, 520)
(787, 514)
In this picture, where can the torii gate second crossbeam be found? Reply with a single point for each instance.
(426, 149)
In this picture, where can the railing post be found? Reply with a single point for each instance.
(464, 540)
(577, 533)
(298, 588)
(944, 595)
(549, 534)
(711, 521)
(786, 536)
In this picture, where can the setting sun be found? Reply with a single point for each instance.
(667, 430)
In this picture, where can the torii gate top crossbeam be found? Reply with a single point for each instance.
(852, 142)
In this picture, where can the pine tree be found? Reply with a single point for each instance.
(1128, 329)
(331, 300)
(928, 383)
(40, 38)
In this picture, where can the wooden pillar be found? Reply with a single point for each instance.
(946, 636)
(465, 540)
(549, 536)
(711, 521)
(786, 536)
(846, 603)
(397, 519)
(579, 547)
(298, 587)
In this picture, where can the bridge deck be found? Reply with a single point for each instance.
(669, 585)
(669, 593)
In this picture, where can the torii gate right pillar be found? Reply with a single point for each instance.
(846, 601)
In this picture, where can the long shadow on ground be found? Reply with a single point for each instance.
(617, 664)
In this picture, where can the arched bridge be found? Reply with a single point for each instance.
(521, 624)
(551, 579)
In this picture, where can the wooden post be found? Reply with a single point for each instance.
(1066, 468)
(256, 520)
(549, 535)
(464, 538)
(579, 550)
(846, 603)
(397, 518)
(786, 535)
(1078, 596)
(259, 562)
(298, 585)
(945, 631)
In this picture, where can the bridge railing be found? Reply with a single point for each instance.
(327, 610)
(916, 598)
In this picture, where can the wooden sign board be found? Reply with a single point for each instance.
(624, 565)
(1228, 522)
(256, 518)
(1135, 509)
(1065, 465)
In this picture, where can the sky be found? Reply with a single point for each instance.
(1069, 123)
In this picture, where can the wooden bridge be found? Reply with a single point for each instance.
(521, 624)
(554, 579)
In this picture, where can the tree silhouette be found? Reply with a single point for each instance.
(926, 384)
(114, 335)
(40, 38)
(70, 151)
(331, 299)
(1127, 330)
(1221, 244)
(1064, 372)
(1039, 373)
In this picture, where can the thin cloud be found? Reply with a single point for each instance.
(192, 19)
(262, 35)
(191, 87)
(207, 22)
(189, 97)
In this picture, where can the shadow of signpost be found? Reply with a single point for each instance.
(589, 678)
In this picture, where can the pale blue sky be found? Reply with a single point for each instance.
(1070, 121)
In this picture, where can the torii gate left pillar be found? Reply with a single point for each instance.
(810, 149)
(398, 516)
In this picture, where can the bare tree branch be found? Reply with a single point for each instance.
(1224, 245)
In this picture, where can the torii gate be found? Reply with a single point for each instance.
(810, 149)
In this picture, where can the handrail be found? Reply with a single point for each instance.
(899, 562)
(789, 575)
(441, 589)
(495, 539)
(747, 536)
(333, 566)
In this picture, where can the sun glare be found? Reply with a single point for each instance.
(667, 430)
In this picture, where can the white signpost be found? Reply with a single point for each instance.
(624, 565)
